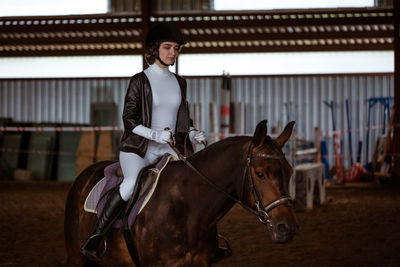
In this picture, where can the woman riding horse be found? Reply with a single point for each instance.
(155, 100)
(178, 226)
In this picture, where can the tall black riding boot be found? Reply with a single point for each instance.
(112, 209)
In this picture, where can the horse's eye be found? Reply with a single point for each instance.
(260, 175)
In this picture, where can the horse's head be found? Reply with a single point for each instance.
(269, 181)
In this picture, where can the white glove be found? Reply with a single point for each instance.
(161, 137)
(197, 137)
(157, 136)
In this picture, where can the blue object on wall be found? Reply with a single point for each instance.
(324, 158)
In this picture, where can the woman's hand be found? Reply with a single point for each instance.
(159, 136)
(162, 137)
(198, 137)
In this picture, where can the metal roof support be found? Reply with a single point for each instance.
(206, 32)
(145, 7)
(396, 121)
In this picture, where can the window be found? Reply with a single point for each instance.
(51, 7)
(288, 4)
(78, 66)
(287, 63)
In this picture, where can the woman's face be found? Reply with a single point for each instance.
(168, 53)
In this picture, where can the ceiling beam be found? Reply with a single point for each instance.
(206, 32)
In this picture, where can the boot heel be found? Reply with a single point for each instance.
(92, 254)
(113, 208)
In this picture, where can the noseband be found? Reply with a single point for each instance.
(263, 211)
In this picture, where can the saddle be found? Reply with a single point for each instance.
(144, 189)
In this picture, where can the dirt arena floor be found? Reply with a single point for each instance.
(358, 226)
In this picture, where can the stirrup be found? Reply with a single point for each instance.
(228, 247)
(223, 252)
(93, 254)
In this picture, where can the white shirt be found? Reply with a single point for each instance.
(166, 97)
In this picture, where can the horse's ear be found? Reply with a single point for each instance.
(260, 133)
(285, 135)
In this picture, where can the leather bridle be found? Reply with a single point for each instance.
(262, 211)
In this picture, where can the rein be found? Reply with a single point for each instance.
(261, 211)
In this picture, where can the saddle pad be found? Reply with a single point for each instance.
(94, 196)
(99, 192)
(95, 200)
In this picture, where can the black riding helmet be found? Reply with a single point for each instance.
(161, 32)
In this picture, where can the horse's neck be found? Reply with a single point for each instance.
(224, 159)
(224, 166)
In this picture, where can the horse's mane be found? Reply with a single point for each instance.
(218, 146)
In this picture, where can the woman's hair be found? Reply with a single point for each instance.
(162, 32)
(151, 52)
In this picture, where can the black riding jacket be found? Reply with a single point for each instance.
(137, 110)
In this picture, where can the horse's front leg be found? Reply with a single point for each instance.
(178, 255)
(192, 258)
(178, 252)
(200, 254)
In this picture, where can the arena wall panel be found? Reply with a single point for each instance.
(279, 99)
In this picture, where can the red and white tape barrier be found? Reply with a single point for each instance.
(118, 128)
(59, 129)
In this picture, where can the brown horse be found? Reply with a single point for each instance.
(178, 225)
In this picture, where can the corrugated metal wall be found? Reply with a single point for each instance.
(281, 99)
(57, 100)
(275, 98)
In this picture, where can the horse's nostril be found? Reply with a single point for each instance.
(282, 228)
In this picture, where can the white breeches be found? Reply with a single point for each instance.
(132, 163)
